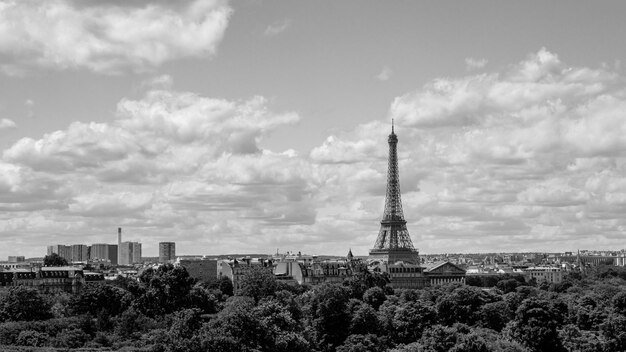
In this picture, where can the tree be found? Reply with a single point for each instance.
(32, 338)
(202, 299)
(463, 304)
(326, 307)
(24, 303)
(374, 296)
(223, 283)
(166, 290)
(535, 325)
(257, 282)
(94, 299)
(71, 338)
(364, 320)
(576, 340)
(619, 302)
(359, 283)
(362, 343)
(236, 328)
(613, 332)
(410, 320)
(495, 315)
(54, 260)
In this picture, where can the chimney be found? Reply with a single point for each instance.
(119, 236)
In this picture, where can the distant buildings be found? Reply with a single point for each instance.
(202, 269)
(63, 251)
(16, 259)
(130, 253)
(103, 252)
(123, 253)
(547, 274)
(79, 253)
(51, 279)
(306, 269)
(167, 252)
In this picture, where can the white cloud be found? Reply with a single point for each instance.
(277, 27)
(159, 82)
(474, 64)
(385, 74)
(517, 159)
(171, 164)
(6, 124)
(107, 37)
(528, 158)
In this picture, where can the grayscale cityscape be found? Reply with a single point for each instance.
(315, 176)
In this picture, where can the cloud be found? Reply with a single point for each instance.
(524, 158)
(164, 82)
(385, 74)
(277, 27)
(529, 157)
(171, 164)
(107, 37)
(473, 64)
(7, 124)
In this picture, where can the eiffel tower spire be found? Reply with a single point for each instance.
(394, 241)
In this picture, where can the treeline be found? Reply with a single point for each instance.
(166, 311)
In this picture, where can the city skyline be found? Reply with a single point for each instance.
(254, 125)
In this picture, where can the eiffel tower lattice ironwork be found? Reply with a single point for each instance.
(393, 236)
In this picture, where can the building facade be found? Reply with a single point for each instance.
(16, 259)
(167, 252)
(549, 274)
(103, 252)
(79, 253)
(130, 253)
(63, 251)
(200, 269)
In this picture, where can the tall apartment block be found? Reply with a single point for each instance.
(103, 252)
(63, 251)
(130, 253)
(167, 252)
(79, 253)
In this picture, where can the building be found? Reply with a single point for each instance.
(167, 252)
(79, 253)
(136, 253)
(549, 274)
(7, 266)
(104, 253)
(303, 269)
(63, 251)
(51, 279)
(444, 272)
(16, 259)
(235, 269)
(130, 253)
(200, 269)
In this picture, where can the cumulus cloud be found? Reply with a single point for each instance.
(107, 37)
(474, 64)
(385, 74)
(7, 124)
(530, 157)
(171, 160)
(277, 27)
(522, 158)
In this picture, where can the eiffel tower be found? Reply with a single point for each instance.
(394, 242)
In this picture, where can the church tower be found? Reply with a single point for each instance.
(394, 242)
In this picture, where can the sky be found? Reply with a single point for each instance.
(257, 126)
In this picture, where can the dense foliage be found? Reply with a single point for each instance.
(166, 311)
